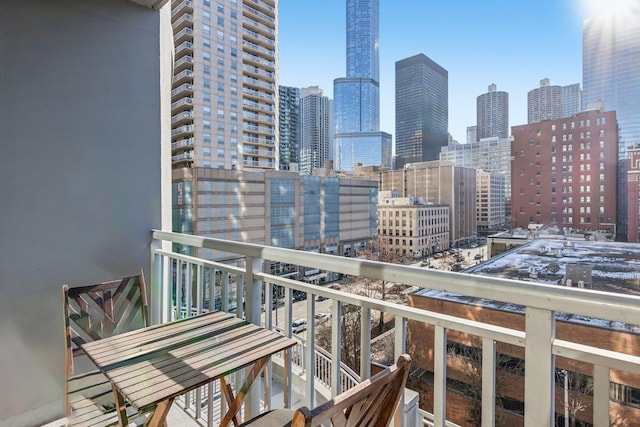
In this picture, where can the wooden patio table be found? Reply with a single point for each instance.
(150, 367)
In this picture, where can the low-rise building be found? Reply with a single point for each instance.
(409, 226)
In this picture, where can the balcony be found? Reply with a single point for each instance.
(181, 130)
(185, 20)
(184, 6)
(184, 143)
(316, 375)
(181, 105)
(258, 60)
(184, 157)
(186, 47)
(183, 77)
(186, 34)
(181, 118)
(183, 63)
(184, 89)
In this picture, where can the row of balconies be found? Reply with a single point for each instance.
(257, 152)
(260, 83)
(259, 117)
(259, 37)
(259, 15)
(258, 48)
(255, 128)
(253, 139)
(259, 27)
(258, 71)
(257, 105)
(255, 58)
(258, 94)
(264, 5)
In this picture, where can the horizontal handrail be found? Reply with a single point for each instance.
(587, 302)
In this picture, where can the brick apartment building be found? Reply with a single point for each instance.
(563, 172)
(464, 360)
(633, 194)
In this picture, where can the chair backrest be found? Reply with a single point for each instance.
(371, 403)
(98, 311)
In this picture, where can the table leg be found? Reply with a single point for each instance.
(236, 403)
(121, 407)
(159, 416)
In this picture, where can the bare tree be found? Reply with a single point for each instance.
(377, 251)
(469, 361)
(350, 332)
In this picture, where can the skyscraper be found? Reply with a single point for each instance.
(493, 114)
(422, 110)
(551, 102)
(289, 126)
(315, 125)
(611, 73)
(224, 97)
(357, 96)
(571, 100)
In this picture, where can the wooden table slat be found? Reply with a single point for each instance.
(162, 361)
(158, 363)
(121, 347)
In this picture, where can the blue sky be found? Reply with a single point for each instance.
(513, 44)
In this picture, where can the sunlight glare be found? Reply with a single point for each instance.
(593, 8)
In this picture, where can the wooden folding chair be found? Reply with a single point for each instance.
(371, 403)
(92, 313)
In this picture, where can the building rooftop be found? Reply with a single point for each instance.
(614, 267)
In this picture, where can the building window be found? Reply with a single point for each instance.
(206, 29)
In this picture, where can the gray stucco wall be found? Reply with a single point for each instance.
(80, 175)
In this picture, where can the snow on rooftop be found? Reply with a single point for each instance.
(615, 267)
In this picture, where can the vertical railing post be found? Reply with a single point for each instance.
(252, 314)
(539, 371)
(365, 343)
(440, 376)
(336, 343)
(600, 395)
(310, 355)
(488, 382)
(400, 347)
(157, 286)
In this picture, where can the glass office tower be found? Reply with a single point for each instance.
(611, 74)
(422, 110)
(357, 96)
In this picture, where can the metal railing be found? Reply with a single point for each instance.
(195, 282)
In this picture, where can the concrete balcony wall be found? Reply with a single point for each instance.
(82, 182)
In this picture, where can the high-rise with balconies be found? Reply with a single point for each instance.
(223, 98)
(551, 102)
(289, 126)
(611, 74)
(493, 113)
(315, 125)
(224, 103)
(358, 138)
